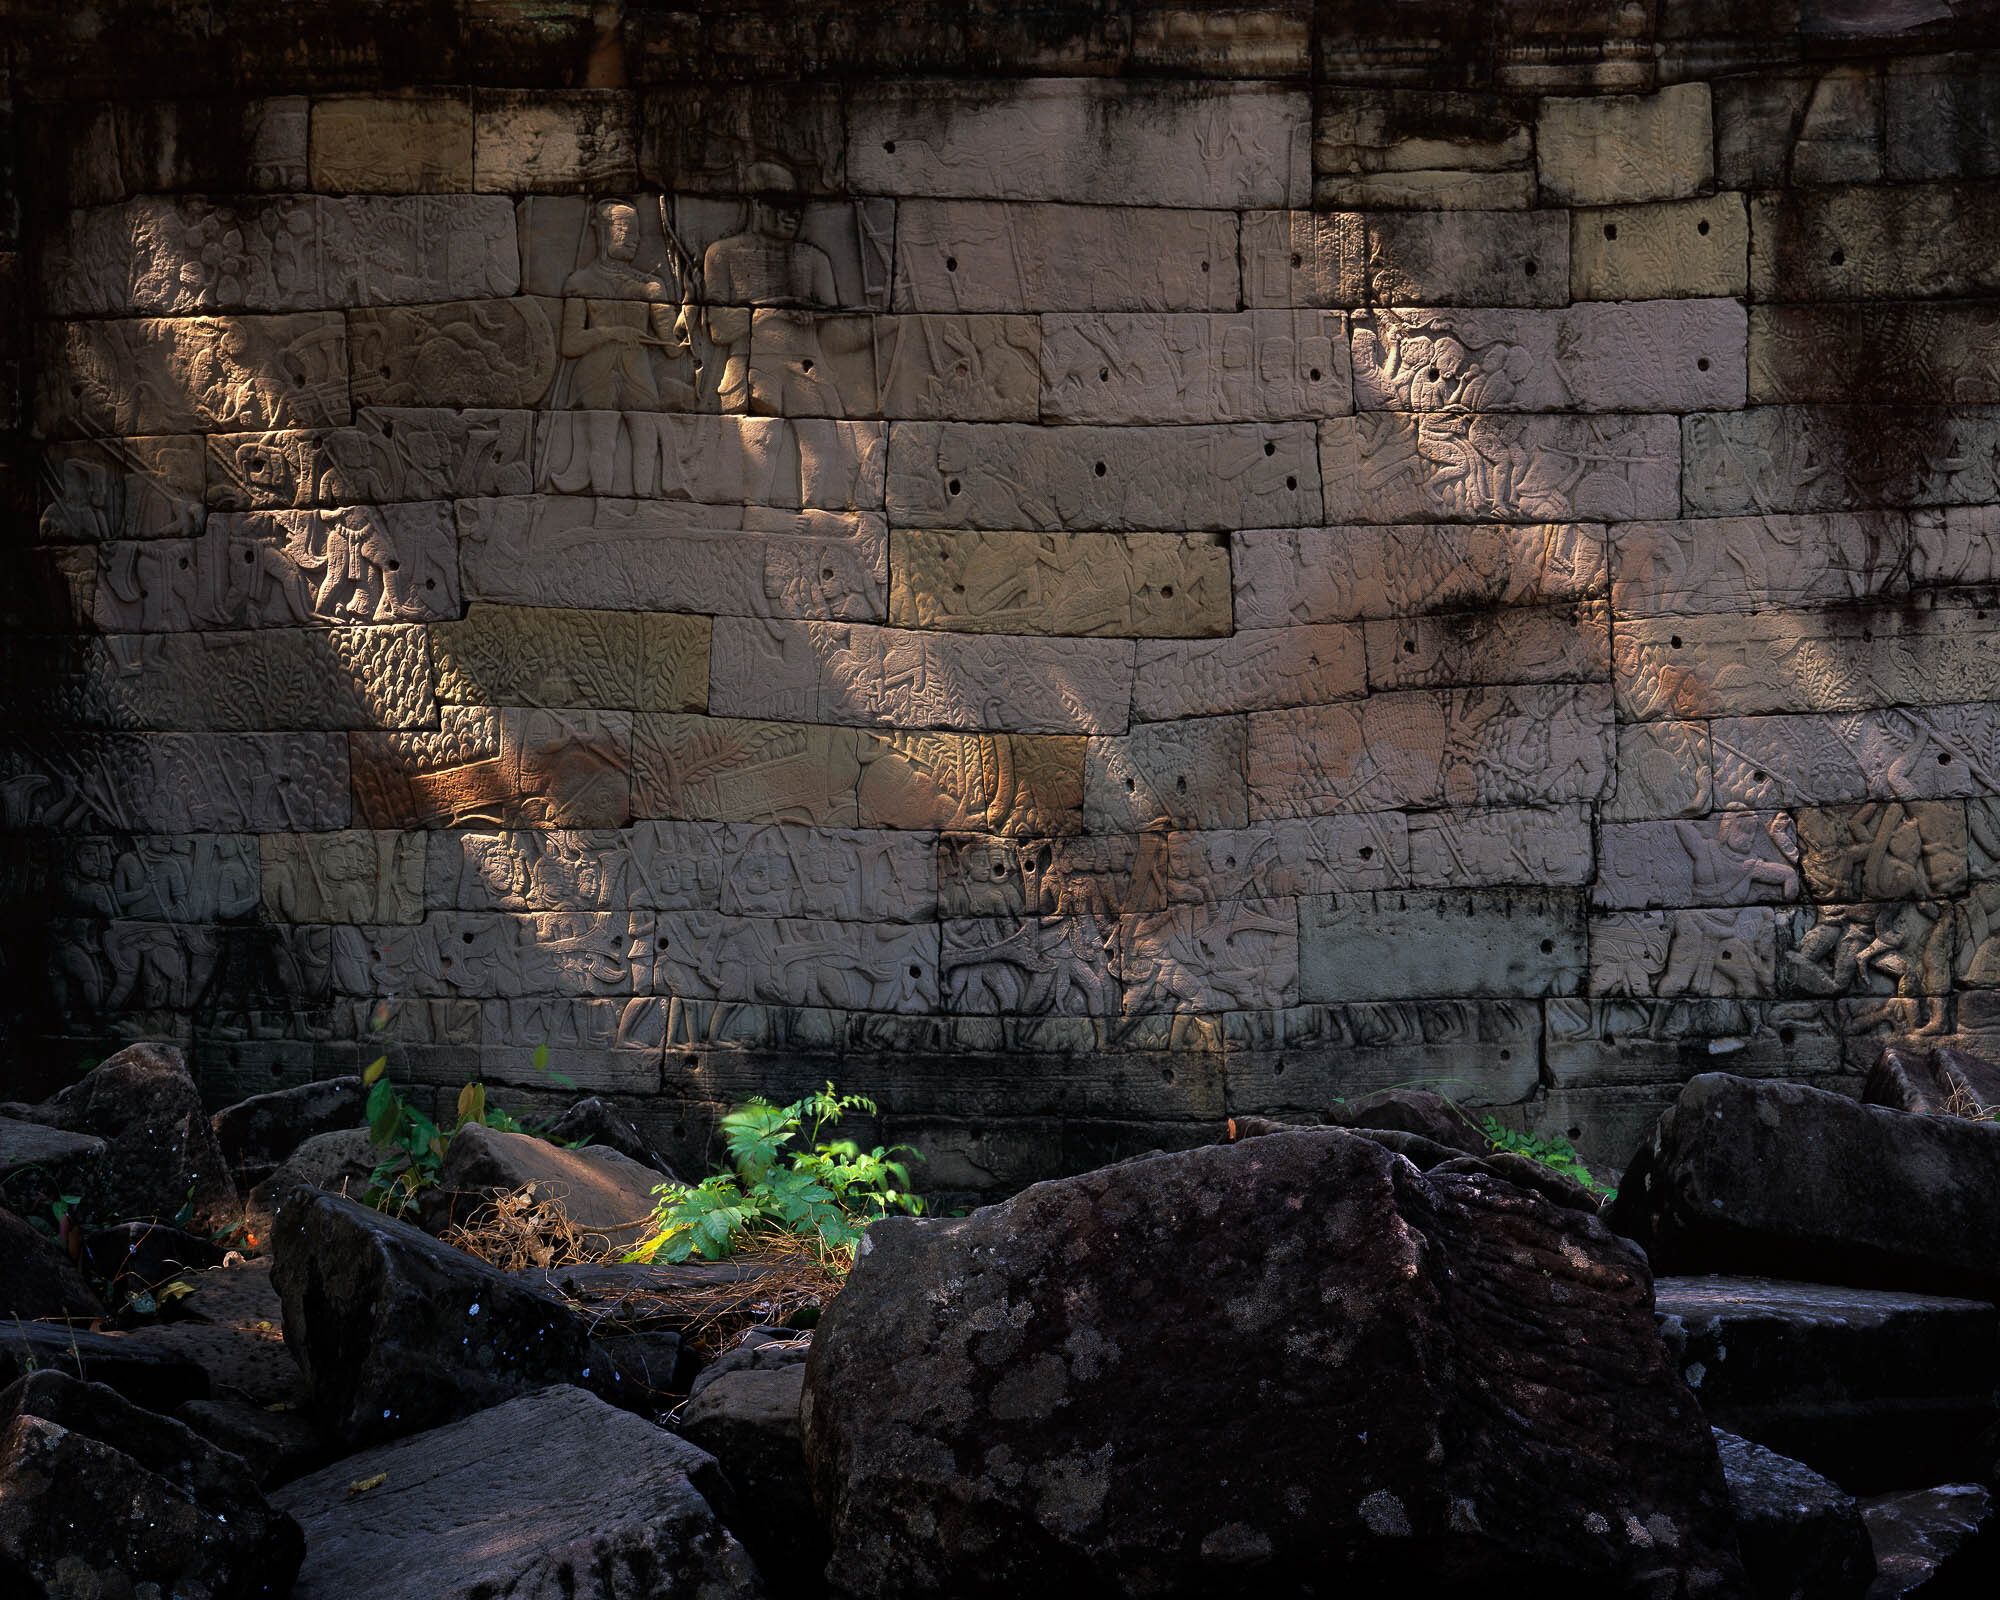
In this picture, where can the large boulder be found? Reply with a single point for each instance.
(160, 1153)
(604, 1126)
(38, 1279)
(1937, 1544)
(1418, 1111)
(1946, 1083)
(1780, 1180)
(41, 1165)
(397, 1332)
(1290, 1362)
(256, 1135)
(748, 1419)
(100, 1497)
(339, 1163)
(159, 1380)
(1800, 1535)
(547, 1497)
(608, 1195)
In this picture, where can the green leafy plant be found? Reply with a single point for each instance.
(788, 1179)
(1550, 1150)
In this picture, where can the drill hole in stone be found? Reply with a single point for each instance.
(1166, 591)
(1291, 483)
(1098, 469)
(1548, 947)
(1611, 230)
(1675, 641)
(806, 365)
(1701, 365)
(1701, 227)
(953, 486)
(1529, 268)
(1269, 448)
(1838, 258)
(1297, 259)
(1409, 647)
(916, 972)
(951, 263)
(1315, 374)
(888, 147)
(1367, 852)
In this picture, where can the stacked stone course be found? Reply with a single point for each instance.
(1105, 573)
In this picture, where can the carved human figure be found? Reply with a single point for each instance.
(1726, 866)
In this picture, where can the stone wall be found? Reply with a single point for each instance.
(1081, 568)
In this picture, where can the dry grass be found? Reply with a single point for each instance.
(1960, 1102)
(516, 1231)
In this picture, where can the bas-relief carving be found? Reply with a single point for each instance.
(1388, 467)
(861, 966)
(979, 368)
(553, 140)
(94, 968)
(1101, 876)
(1467, 258)
(1402, 945)
(1167, 775)
(461, 353)
(1157, 585)
(1734, 858)
(1930, 753)
(1636, 1040)
(1752, 563)
(552, 869)
(1299, 259)
(200, 878)
(1517, 645)
(389, 454)
(506, 768)
(395, 563)
(1302, 575)
(174, 782)
(122, 489)
(1250, 366)
(1255, 669)
(769, 461)
(1613, 148)
(542, 656)
(1978, 938)
(1838, 458)
(1306, 1056)
(723, 769)
(1905, 242)
(349, 876)
(1527, 847)
(1662, 769)
(1282, 860)
(1218, 956)
(493, 956)
(1475, 151)
(1942, 120)
(1909, 352)
(414, 144)
(1013, 784)
(1885, 850)
(1034, 966)
(1651, 252)
(1668, 953)
(1902, 949)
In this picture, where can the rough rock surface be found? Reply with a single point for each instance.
(608, 1128)
(1800, 1534)
(38, 1279)
(1941, 1543)
(145, 1374)
(397, 1332)
(549, 1497)
(160, 1152)
(1782, 1180)
(38, 1165)
(1947, 1082)
(99, 1497)
(1429, 1381)
(134, 1256)
(1411, 1111)
(748, 1420)
(608, 1195)
(336, 1162)
(258, 1134)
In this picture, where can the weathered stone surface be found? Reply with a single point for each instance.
(485, 957)
(1297, 259)
(40, 1280)
(1923, 753)
(1143, 585)
(1251, 366)
(1908, 242)
(1391, 147)
(1731, 951)
(1088, 140)
(193, 375)
(1167, 774)
(749, 1421)
(1887, 851)
(1397, 946)
(99, 490)
(343, 876)
(105, 1493)
(497, 353)
(1657, 252)
(1007, 476)
(1525, 846)
(536, 1497)
(1306, 1057)
(553, 142)
(979, 368)
(1701, 1192)
(723, 460)
(1667, 355)
(1554, 644)
(1382, 466)
(1932, 1539)
(1039, 966)
(725, 769)
(1727, 564)
(1838, 458)
(1307, 855)
(1500, 746)
(1218, 956)
(391, 453)
(1626, 147)
(1911, 352)
(1467, 258)
(1799, 1533)
(1062, 1421)
(858, 966)
(258, 1135)
(1253, 670)
(1637, 1043)
(411, 144)
(507, 768)
(1940, 118)
(972, 255)
(1286, 575)
(981, 875)
(607, 1195)
(1737, 858)
(175, 783)
(541, 656)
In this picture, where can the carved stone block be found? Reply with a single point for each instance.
(1252, 670)
(1399, 945)
(1659, 252)
(1665, 954)
(1467, 258)
(979, 368)
(1411, 148)
(415, 144)
(1015, 784)
(1958, 545)
(1907, 242)
(1943, 116)
(1250, 366)
(122, 489)
(1298, 575)
(460, 353)
(852, 238)
(649, 556)
(1839, 457)
(560, 869)
(1228, 956)
(1305, 1057)
(1977, 937)
(1906, 753)
(509, 768)
(721, 769)
(274, 569)
(186, 878)
(859, 966)
(1035, 966)
(606, 1046)
(1542, 644)
(1664, 355)
(1281, 860)
(1157, 585)
(1914, 353)
(1101, 876)
(1613, 148)
(349, 876)
(1301, 259)
(1525, 745)
(390, 453)
(1633, 1040)
(1167, 775)
(554, 141)
(1382, 466)
(1530, 847)
(542, 656)
(174, 782)
(193, 375)
(701, 135)
(842, 874)
(720, 460)
(977, 255)
(1886, 850)
(1734, 858)
(1009, 476)
(1902, 949)
(1804, 661)
(1731, 564)
(495, 955)
(1092, 140)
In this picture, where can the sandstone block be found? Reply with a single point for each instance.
(1040, 966)
(554, 142)
(1396, 945)
(700, 135)
(723, 769)
(859, 966)
(1941, 117)
(514, 767)
(1104, 876)
(1613, 148)
(649, 556)
(979, 368)
(1730, 564)
(1257, 669)
(1664, 355)
(1302, 575)
(1736, 858)
(1091, 140)
(1009, 477)
(1167, 775)
(1251, 366)
(1015, 784)
(122, 489)
(1908, 753)
(838, 874)
(1394, 468)
(1467, 258)
(1887, 850)
(193, 375)
(1838, 457)
(459, 353)
(176, 782)
(722, 460)
(1634, 1040)
(187, 878)
(471, 956)
(1226, 956)
(1409, 148)
(1304, 1057)
(1551, 644)
(1695, 247)
(1158, 585)
(1303, 259)
(1910, 353)
(389, 454)
(1731, 951)
(560, 869)
(972, 255)
(543, 656)
(1291, 857)
(392, 145)
(1909, 242)
(1528, 847)
(1524, 745)
(895, 677)
(348, 876)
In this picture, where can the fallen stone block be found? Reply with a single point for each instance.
(39, 1165)
(257, 1135)
(1946, 1083)
(1939, 1543)
(608, 1195)
(148, 1376)
(1800, 1534)
(38, 1279)
(749, 1421)
(339, 1163)
(608, 1128)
